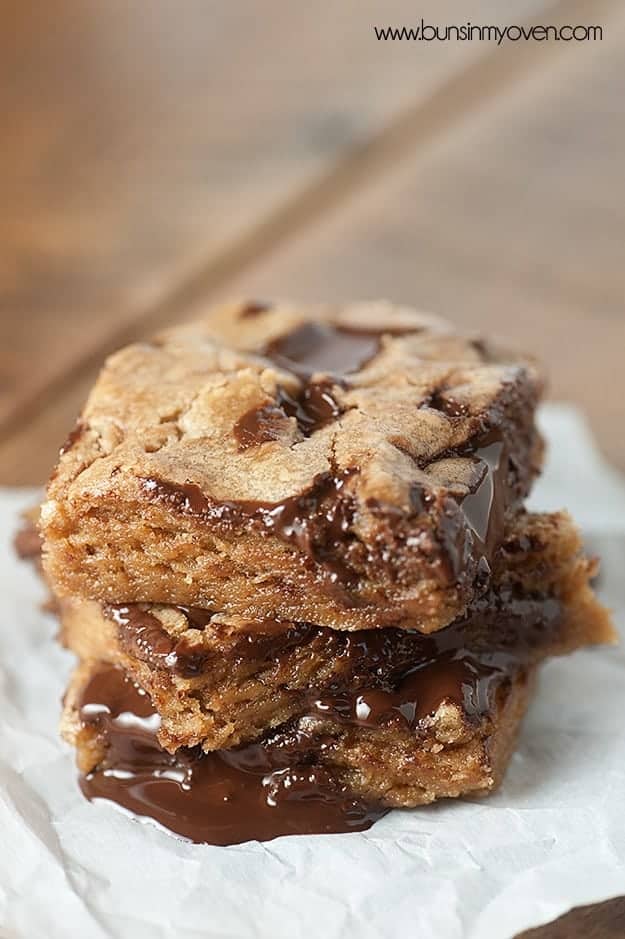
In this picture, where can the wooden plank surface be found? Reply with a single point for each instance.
(70, 300)
(513, 222)
(140, 148)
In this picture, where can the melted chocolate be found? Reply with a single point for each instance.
(260, 425)
(254, 792)
(484, 508)
(319, 347)
(466, 663)
(197, 617)
(312, 409)
(278, 786)
(316, 521)
(141, 633)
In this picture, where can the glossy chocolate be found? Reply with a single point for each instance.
(468, 682)
(319, 347)
(499, 626)
(316, 521)
(470, 536)
(257, 792)
(283, 786)
(260, 425)
(313, 408)
(142, 635)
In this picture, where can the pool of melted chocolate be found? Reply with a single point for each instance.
(286, 784)
(255, 792)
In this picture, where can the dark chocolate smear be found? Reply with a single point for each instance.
(316, 521)
(141, 633)
(257, 792)
(313, 408)
(469, 683)
(320, 347)
(483, 509)
(277, 787)
(142, 636)
(260, 425)
(466, 663)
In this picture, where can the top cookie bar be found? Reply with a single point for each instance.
(351, 467)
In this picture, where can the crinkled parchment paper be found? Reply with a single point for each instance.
(553, 837)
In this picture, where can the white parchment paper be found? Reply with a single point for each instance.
(553, 837)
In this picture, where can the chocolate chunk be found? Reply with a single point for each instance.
(318, 347)
(141, 633)
(259, 425)
(315, 521)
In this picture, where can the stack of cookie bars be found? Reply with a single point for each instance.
(291, 545)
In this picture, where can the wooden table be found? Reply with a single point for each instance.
(156, 157)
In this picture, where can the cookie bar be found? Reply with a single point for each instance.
(219, 680)
(353, 467)
(328, 773)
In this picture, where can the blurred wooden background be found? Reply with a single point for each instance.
(152, 163)
(156, 157)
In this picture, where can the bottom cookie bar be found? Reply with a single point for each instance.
(336, 769)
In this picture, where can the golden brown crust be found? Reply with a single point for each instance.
(156, 496)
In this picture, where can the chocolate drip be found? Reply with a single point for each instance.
(255, 792)
(316, 521)
(390, 678)
(484, 508)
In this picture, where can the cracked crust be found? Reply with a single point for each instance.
(211, 467)
(220, 680)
